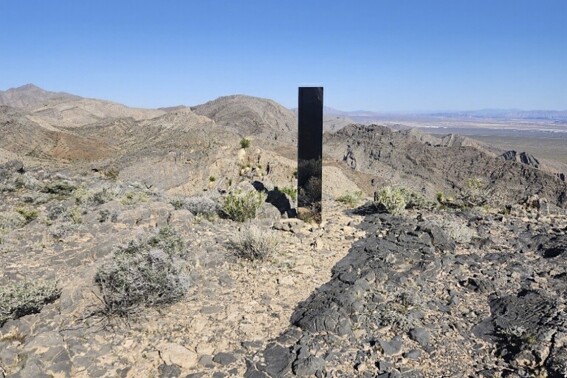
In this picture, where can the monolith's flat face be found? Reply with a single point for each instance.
(310, 150)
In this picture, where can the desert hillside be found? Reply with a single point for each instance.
(167, 243)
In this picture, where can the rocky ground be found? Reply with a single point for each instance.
(430, 293)
(233, 306)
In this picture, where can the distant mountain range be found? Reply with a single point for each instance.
(508, 114)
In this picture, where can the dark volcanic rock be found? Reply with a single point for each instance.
(529, 159)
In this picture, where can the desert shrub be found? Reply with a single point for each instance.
(253, 243)
(59, 187)
(240, 206)
(101, 197)
(75, 215)
(147, 273)
(458, 231)
(55, 211)
(393, 199)
(351, 199)
(177, 203)
(28, 214)
(81, 195)
(396, 200)
(474, 193)
(290, 191)
(201, 205)
(417, 201)
(244, 143)
(212, 179)
(132, 198)
(10, 221)
(26, 297)
(111, 174)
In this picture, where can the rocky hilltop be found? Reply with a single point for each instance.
(163, 243)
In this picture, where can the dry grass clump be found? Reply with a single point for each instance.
(253, 243)
(26, 297)
(147, 273)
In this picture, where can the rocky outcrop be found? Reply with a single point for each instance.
(385, 157)
(522, 157)
(417, 289)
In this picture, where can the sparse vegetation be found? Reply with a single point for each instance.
(351, 199)
(396, 200)
(101, 197)
(240, 206)
(244, 143)
(28, 214)
(474, 193)
(75, 215)
(393, 199)
(62, 188)
(26, 297)
(177, 203)
(147, 273)
(132, 198)
(290, 191)
(212, 179)
(111, 174)
(10, 221)
(202, 206)
(253, 243)
(81, 195)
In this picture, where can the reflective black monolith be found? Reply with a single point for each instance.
(310, 153)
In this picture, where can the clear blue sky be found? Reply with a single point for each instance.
(383, 55)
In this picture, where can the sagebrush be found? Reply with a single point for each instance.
(147, 273)
(201, 205)
(26, 297)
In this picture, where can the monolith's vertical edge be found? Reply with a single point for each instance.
(310, 151)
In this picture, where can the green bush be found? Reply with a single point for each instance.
(351, 199)
(147, 273)
(393, 199)
(244, 143)
(290, 191)
(253, 243)
(396, 200)
(26, 297)
(240, 206)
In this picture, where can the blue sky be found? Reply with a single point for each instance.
(382, 55)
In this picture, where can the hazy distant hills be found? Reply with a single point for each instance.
(549, 115)
(366, 116)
